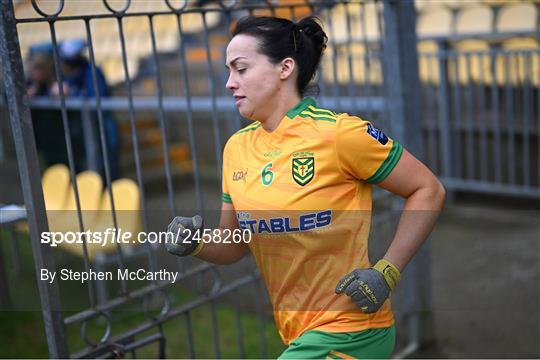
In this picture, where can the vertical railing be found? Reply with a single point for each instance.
(23, 135)
(488, 134)
(404, 113)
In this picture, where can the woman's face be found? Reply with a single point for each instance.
(253, 79)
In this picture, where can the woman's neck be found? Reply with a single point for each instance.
(283, 105)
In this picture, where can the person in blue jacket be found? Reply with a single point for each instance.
(78, 82)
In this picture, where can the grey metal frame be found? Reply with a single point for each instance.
(483, 121)
(397, 52)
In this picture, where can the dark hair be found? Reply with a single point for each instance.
(279, 38)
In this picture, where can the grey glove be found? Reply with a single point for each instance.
(367, 288)
(179, 241)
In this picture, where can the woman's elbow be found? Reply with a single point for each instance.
(438, 194)
(231, 255)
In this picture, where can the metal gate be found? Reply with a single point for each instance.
(370, 42)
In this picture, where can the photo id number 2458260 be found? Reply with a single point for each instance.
(225, 236)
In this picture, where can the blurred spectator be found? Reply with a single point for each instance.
(78, 82)
(48, 127)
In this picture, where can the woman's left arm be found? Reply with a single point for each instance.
(424, 196)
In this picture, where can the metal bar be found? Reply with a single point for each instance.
(352, 78)
(89, 142)
(335, 87)
(23, 135)
(429, 122)
(103, 141)
(509, 111)
(402, 88)
(5, 297)
(491, 188)
(145, 341)
(470, 156)
(212, 85)
(526, 109)
(99, 111)
(198, 103)
(497, 37)
(481, 120)
(215, 332)
(136, 154)
(250, 7)
(458, 171)
(234, 120)
(445, 134)
(239, 333)
(261, 322)
(367, 57)
(162, 344)
(134, 295)
(173, 313)
(497, 144)
(15, 252)
(189, 115)
(152, 260)
(189, 332)
(71, 160)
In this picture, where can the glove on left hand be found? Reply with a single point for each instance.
(177, 238)
(369, 288)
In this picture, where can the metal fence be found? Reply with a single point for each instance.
(372, 55)
(482, 118)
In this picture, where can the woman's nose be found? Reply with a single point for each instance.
(231, 83)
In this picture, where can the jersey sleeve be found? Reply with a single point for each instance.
(226, 174)
(365, 152)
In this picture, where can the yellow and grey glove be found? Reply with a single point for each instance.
(369, 288)
(180, 236)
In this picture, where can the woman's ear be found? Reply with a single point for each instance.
(287, 68)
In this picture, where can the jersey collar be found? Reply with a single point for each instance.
(301, 106)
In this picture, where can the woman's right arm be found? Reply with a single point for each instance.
(224, 253)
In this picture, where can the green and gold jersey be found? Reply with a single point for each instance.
(304, 191)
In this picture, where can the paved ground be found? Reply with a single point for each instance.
(486, 283)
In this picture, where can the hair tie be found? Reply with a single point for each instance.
(295, 27)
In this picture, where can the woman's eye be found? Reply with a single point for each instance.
(241, 71)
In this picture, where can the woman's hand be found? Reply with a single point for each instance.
(180, 230)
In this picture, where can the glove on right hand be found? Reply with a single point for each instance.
(369, 288)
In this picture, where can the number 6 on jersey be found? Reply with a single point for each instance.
(267, 175)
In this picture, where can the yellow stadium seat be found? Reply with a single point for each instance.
(192, 23)
(475, 19)
(362, 18)
(126, 196)
(300, 9)
(164, 24)
(453, 4)
(517, 17)
(522, 66)
(420, 5)
(428, 62)
(435, 20)
(286, 9)
(90, 188)
(364, 69)
(56, 184)
(113, 70)
(476, 65)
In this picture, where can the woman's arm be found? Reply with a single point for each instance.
(220, 253)
(424, 196)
